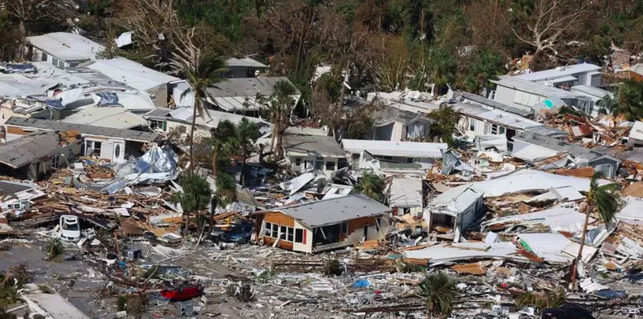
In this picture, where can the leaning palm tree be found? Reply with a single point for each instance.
(440, 292)
(202, 70)
(372, 186)
(603, 200)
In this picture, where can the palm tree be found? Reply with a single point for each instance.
(627, 101)
(372, 186)
(281, 104)
(603, 200)
(223, 140)
(247, 135)
(194, 197)
(202, 70)
(445, 123)
(442, 69)
(225, 194)
(439, 291)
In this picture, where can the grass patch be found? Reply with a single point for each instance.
(46, 289)
(54, 247)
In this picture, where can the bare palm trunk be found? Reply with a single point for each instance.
(196, 100)
(187, 223)
(580, 250)
(215, 156)
(275, 130)
(243, 169)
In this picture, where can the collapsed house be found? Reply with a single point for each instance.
(388, 155)
(451, 213)
(244, 95)
(530, 96)
(307, 152)
(323, 225)
(397, 125)
(406, 196)
(68, 50)
(179, 120)
(535, 148)
(477, 120)
(35, 154)
(99, 142)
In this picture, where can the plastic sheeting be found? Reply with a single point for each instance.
(106, 99)
(157, 160)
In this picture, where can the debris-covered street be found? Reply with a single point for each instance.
(152, 167)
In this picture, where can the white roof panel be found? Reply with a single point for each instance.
(406, 192)
(560, 72)
(533, 153)
(531, 87)
(390, 148)
(66, 46)
(526, 180)
(637, 131)
(245, 62)
(132, 73)
(113, 117)
(456, 200)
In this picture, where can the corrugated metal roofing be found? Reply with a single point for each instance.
(335, 210)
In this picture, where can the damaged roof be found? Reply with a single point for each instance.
(22, 151)
(132, 73)
(66, 46)
(558, 145)
(245, 62)
(556, 73)
(392, 148)
(130, 135)
(456, 200)
(334, 211)
(313, 145)
(495, 105)
(526, 180)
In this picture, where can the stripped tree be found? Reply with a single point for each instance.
(548, 22)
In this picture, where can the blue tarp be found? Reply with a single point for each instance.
(361, 283)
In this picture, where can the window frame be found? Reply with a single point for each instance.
(267, 228)
(332, 168)
(299, 233)
(290, 234)
(344, 228)
(472, 125)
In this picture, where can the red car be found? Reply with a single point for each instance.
(183, 292)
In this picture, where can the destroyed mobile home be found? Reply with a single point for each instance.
(132, 220)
